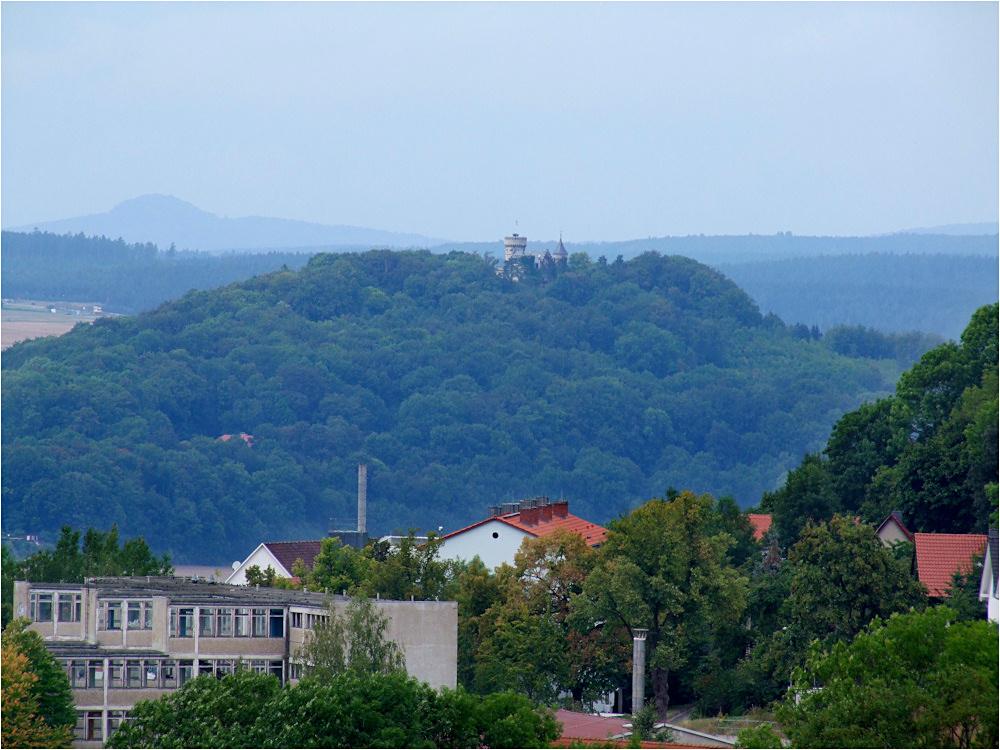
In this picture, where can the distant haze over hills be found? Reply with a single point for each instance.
(165, 220)
(983, 227)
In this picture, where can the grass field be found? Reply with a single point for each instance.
(28, 319)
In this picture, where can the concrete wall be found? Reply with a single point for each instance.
(427, 632)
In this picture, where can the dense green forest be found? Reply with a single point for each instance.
(899, 283)
(126, 278)
(932, 293)
(604, 383)
(929, 450)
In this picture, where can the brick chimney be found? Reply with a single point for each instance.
(560, 508)
(545, 508)
(529, 516)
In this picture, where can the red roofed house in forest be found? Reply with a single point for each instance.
(939, 556)
(497, 539)
(761, 523)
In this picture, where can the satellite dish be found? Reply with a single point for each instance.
(236, 564)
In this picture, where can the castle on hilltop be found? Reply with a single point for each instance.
(516, 247)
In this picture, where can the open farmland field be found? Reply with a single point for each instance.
(27, 319)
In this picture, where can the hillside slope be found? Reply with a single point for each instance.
(604, 383)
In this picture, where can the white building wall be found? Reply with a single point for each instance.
(261, 556)
(494, 541)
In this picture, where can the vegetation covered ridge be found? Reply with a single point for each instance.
(604, 383)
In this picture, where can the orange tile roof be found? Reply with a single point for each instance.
(761, 522)
(940, 555)
(591, 532)
(581, 729)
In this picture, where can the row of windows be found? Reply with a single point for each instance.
(226, 622)
(160, 674)
(69, 607)
(311, 621)
(90, 724)
(138, 615)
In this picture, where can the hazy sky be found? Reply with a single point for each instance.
(606, 121)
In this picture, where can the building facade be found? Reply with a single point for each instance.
(122, 640)
(497, 539)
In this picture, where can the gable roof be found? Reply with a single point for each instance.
(939, 556)
(287, 553)
(897, 519)
(591, 532)
(761, 523)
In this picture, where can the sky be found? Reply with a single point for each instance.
(468, 121)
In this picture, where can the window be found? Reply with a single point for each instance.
(295, 670)
(140, 615)
(224, 667)
(169, 672)
(242, 623)
(41, 607)
(133, 674)
(69, 608)
(95, 674)
(78, 674)
(276, 669)
(152, 670)
(111, 615)
(259, 623)
(277, 629)
(182, 622)
(206, 622)
(185, 671)
(296, 619)
(115, 719)
(116, 674)
(224, 623)
(80, 730)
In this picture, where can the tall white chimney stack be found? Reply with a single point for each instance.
(363, 498)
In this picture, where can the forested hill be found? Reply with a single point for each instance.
(895, 284)
(604, 384)
(124, 277)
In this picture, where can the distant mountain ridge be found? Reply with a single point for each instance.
(165, 220)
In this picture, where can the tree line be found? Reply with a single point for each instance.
(603, 382)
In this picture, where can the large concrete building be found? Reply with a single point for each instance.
(122, 640)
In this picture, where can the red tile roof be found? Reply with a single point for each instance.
(288, 552)
(579, 729)
(591, 726)
(761, 522)
(940, 555)
(591, 532)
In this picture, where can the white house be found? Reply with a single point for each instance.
(280, 556)
(497, 539)
(988, 583)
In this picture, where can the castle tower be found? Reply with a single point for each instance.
(514, 246)
(560, 255)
